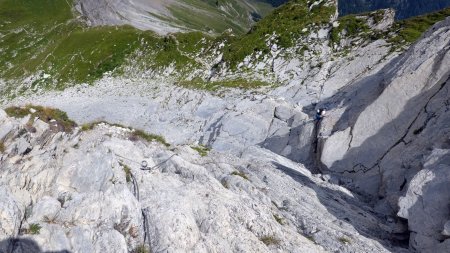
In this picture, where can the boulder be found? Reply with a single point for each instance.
(425, 206)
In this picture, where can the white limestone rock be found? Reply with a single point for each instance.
(335, 147)
(425, 206)
(446, 230)
(10, 214)
(191, 202)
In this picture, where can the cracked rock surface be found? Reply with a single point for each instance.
(76, 188)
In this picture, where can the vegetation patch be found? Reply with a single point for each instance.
(89, 126)
(202, 150)
(240, 83)
(286, 22)
(33, 229)
(42, 38)
(127, 171)
(134, 135)
(344, 240)
(278, 219)
(46, 114)
(240, 174)
(149, 137)
(2, 147)
(410, 30)
(353, 25)
(269, 240)
(311, 238)
(141, 249)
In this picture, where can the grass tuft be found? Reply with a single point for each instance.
(127, 171)
(202, 150)
(278, 219)
(270, 240)
(2, 147)
(149, 137)
(141, 249)
(344, 240)
(240, 83)
(33, 229)
(45, 114)
(240, 174)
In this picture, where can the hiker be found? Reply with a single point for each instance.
(320, 114)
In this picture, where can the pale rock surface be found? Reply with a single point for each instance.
(191, 203)
(425, 203)
(446, 230)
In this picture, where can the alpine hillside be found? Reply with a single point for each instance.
(130, 126)
(404, 9)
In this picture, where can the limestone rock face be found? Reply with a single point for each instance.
(397, 123)
(10, 213)
(87, 193)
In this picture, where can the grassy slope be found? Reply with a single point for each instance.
(402, 34)
(43, 36)
(286, 22)
(410, 30)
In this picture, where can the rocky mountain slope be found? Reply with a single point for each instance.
(256, 202)
(238, 170)
(177, 15)
(404, 9)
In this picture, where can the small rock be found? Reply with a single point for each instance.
(446, 230)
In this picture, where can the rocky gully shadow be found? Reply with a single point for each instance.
(347, 209)
(23, 245)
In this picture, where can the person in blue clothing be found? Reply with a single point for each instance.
(320, 114)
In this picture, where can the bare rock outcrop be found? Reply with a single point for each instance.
(390, 128)
(86, 192)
